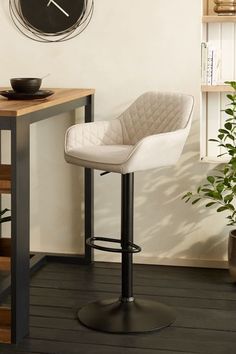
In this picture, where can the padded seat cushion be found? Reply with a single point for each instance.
(150, 133)
(105, 154)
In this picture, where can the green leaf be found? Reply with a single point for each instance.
(211, 179)
(230, 97)
(226, 170)
(226, 182)
(233, 163)
(206, 190)
(229, 146)
(228, 126)
(229, 111)
(231, 83)
(223, 131)
(215, 140)
(223, 208)
(214, 195)
(228, 198)
(221, 136)
(220, 187)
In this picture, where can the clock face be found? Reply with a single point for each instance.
(52, 16)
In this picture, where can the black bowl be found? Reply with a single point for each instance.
(26, 85)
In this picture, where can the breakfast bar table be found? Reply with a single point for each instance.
(17, 116)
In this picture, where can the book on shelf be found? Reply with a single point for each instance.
(210, 64)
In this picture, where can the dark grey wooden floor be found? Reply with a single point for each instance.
(204, 299)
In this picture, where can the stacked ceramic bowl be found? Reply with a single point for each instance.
(28, 85)
(225, 7)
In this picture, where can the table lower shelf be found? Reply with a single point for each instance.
(5, 325)
(37, 260)
(5, 179)
(5, 294)
(5, 254)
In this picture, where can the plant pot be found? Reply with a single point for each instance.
(225, 7)
(232, 254)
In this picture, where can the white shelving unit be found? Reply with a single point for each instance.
(221, 32)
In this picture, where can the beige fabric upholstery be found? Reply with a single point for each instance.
(150, 133)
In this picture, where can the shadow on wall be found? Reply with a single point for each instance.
(166, 227)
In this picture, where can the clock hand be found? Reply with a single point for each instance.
(58, 6)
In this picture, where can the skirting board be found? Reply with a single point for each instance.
(179, 262)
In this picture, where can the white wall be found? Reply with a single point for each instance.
(128, 48)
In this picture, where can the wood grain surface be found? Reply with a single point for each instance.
(5, 323)
(15, 108)
(5, 179)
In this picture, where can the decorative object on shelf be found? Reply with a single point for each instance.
(210, 64)
(220, 188)
(51, 20)
(225, 7)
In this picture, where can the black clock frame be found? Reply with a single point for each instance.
(26, 28)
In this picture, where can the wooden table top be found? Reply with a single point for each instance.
(15, 108)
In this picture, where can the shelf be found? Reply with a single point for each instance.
(5, 325)
(215, 160)
(216, 18)
(5, 264)
(5, 254)
(5, 179)
(216, 88)
(5, 247)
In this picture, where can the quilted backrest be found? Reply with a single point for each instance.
(155, 113)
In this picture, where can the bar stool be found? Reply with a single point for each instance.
(151, 133)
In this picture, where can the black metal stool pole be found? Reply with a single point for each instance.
(127, 217)
(125, 314)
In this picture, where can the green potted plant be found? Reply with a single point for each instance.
(219, 190)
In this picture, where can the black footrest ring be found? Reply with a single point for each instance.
(133, 248)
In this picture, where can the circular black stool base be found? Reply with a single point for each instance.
(115, 316)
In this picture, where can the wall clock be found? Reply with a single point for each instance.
(51, 20)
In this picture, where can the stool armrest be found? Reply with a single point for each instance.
(156, 150)
(95, 133)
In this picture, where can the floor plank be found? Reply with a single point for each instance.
(204, 300)
(68, 298)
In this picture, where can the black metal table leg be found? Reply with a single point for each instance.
(20, 228)
(89, 192)
(18, 283)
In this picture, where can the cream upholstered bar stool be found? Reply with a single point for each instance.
(151, 133)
